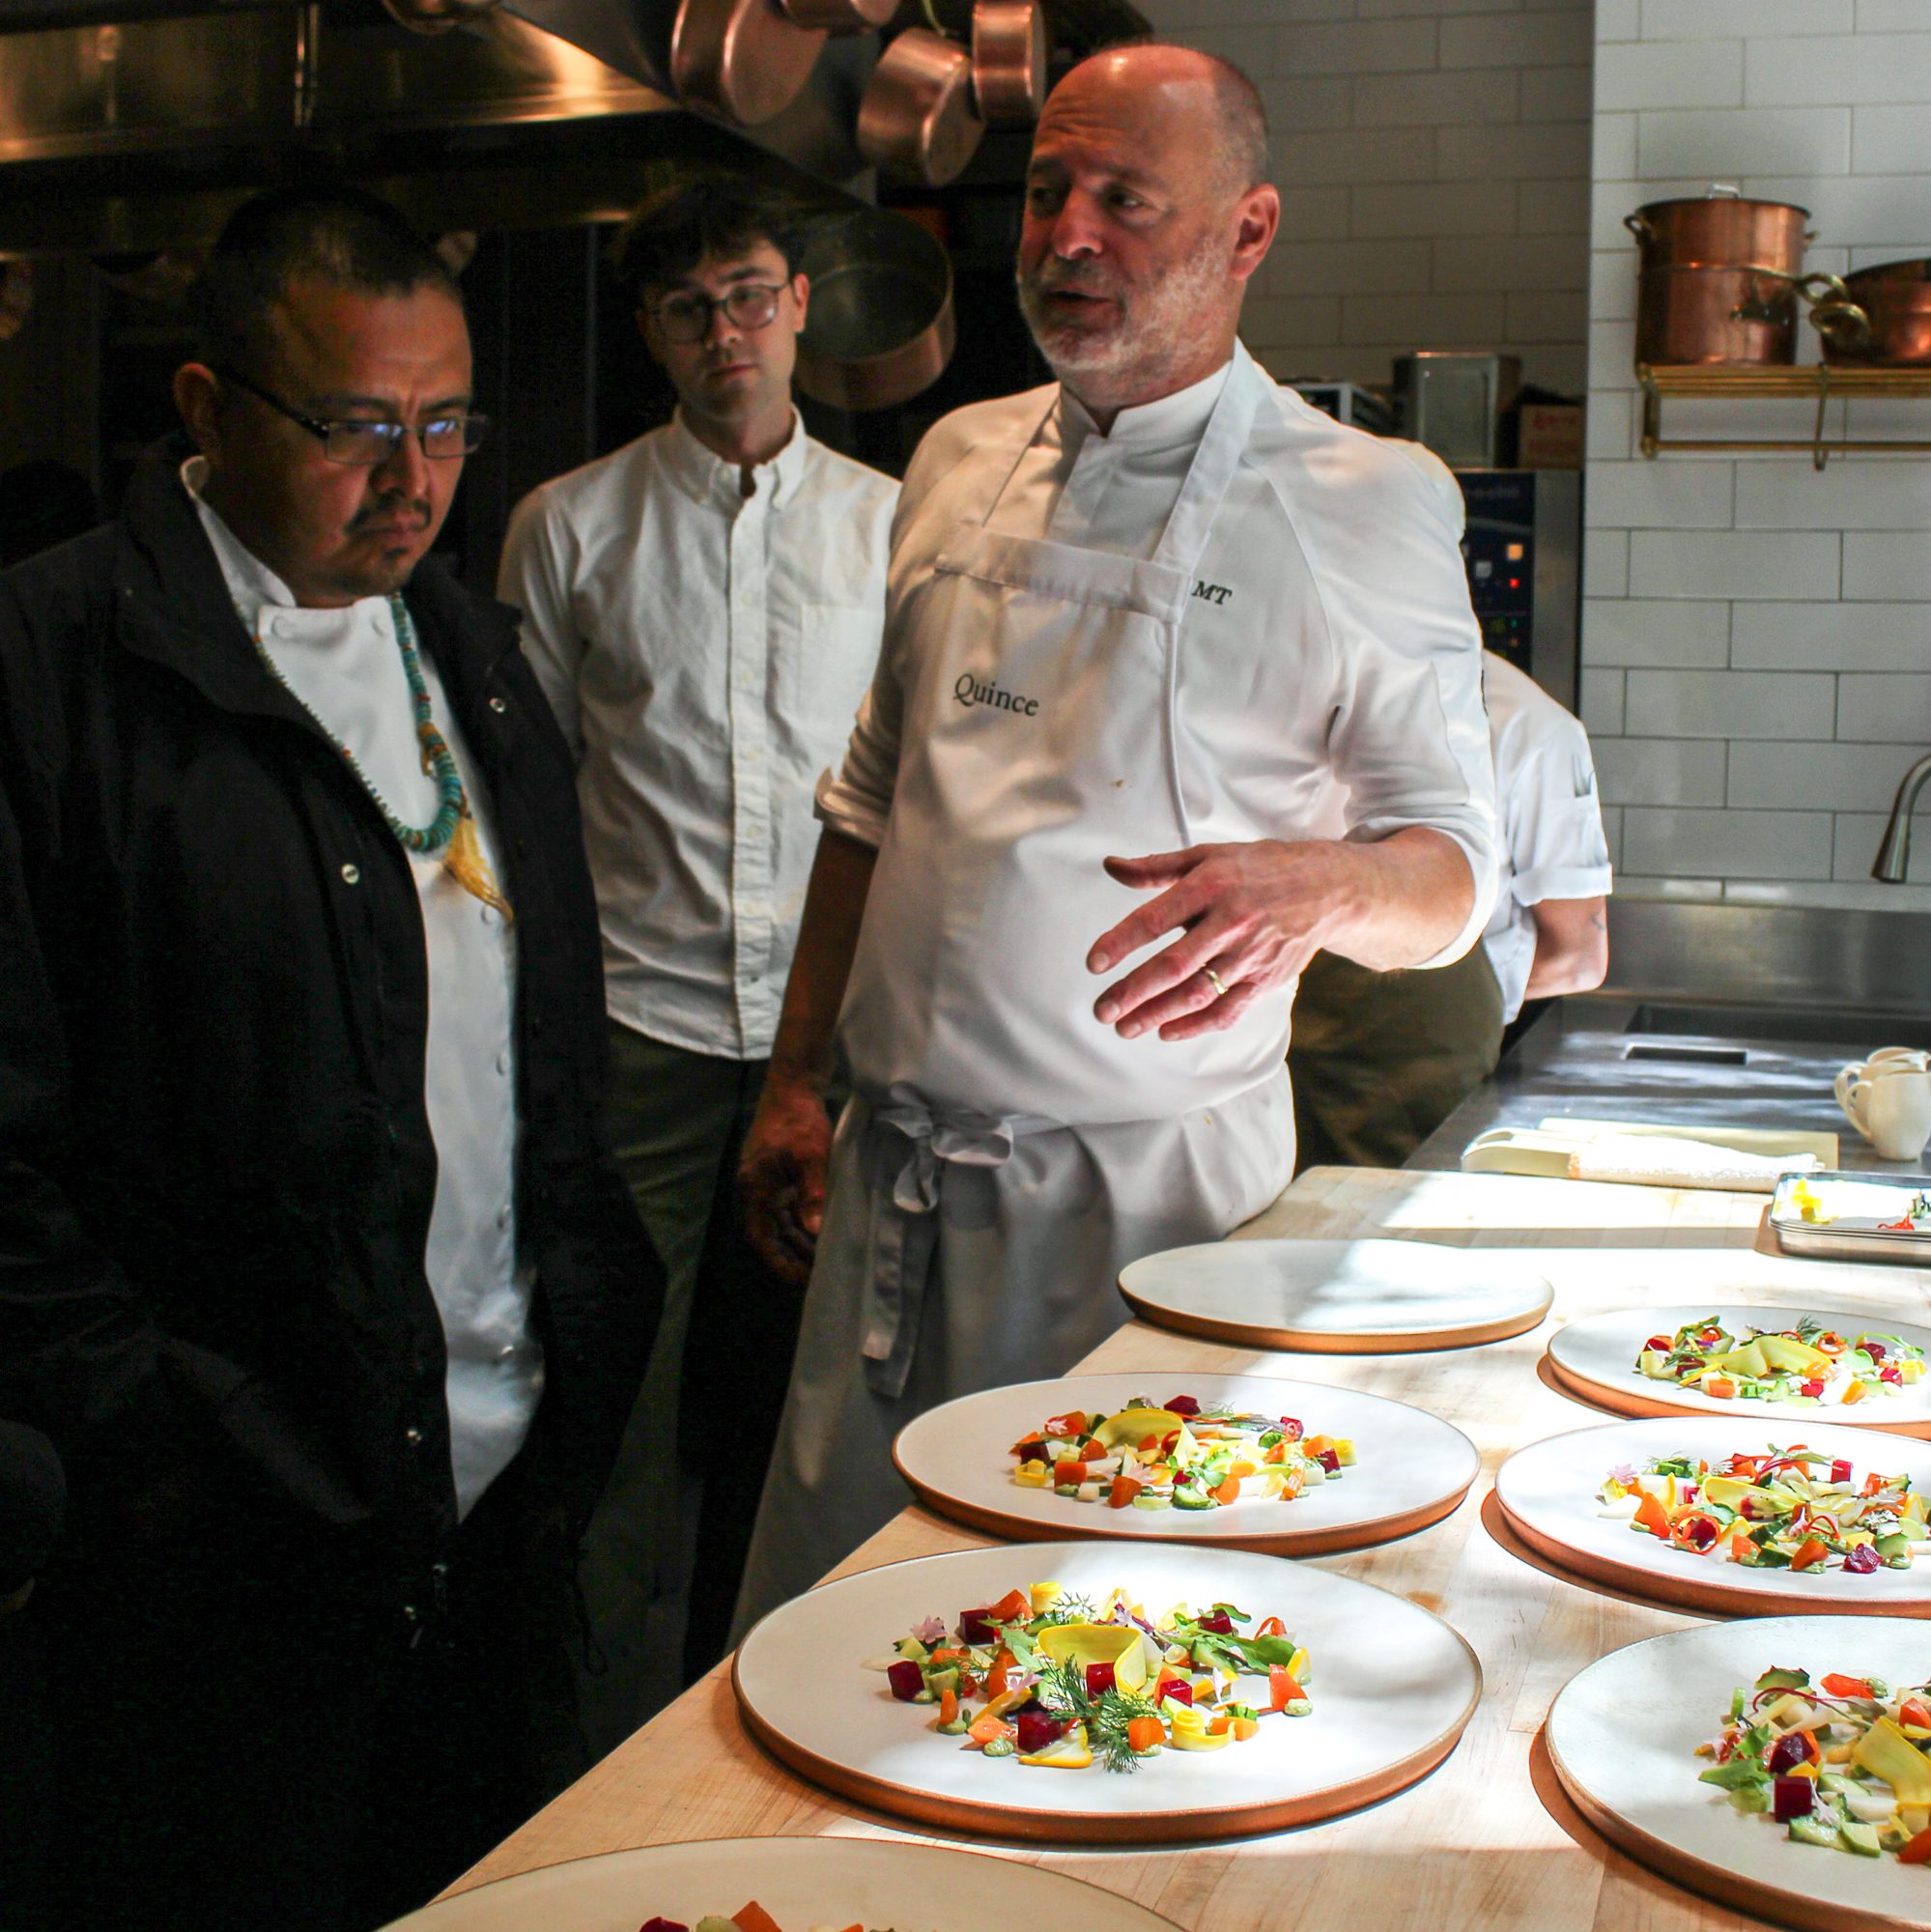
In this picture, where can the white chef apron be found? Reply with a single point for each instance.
(1040, 739)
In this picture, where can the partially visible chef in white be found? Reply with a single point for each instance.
(1549, 931)
(1139, 625)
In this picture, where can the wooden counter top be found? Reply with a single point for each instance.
(1472, 1845)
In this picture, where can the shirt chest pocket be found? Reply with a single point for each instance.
(827, 672)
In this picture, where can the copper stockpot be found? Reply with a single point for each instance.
(1719, 279)
(1895, 300)
(745, 60)
(917, 117)
(1009, 59)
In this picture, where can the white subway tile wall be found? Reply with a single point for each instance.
(1757, 633)
(1433, 157)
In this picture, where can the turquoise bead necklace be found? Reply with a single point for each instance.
(453, 806)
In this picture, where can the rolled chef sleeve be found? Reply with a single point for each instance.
(1409, 735)
(1555, 822)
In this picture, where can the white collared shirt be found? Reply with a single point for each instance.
(344, 667)
(1110, 490)
(1552, 842)
(704, 652)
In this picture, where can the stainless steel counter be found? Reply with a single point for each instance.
(1716, 1014)
(1618, 1059)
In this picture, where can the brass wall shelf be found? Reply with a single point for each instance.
(1826, 382)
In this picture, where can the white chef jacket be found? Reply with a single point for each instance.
(1329, 631)
(704, 652)
(1342, 546)
(1552, 842)
(344, 667)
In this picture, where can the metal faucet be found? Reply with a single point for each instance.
(1893, 854)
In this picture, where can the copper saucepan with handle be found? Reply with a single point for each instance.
(744, 61)
(917, 117)
(1009, 59)
(1894, 298)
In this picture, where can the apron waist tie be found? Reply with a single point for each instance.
(904, 1235)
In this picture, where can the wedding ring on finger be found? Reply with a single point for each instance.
(1213, 980)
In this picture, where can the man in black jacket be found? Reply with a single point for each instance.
(312, 1260)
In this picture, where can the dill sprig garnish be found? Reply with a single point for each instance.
(1061, 1689)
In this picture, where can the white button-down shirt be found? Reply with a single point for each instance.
(1553, 844)
(346, 667)
(704, 651)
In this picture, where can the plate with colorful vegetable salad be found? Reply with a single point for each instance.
(1371, 1297)
(1090, 1692)
(786, 1884)
(1725, 1517)
(1244, 1461)
(1693, 1751)
(1861, 1370)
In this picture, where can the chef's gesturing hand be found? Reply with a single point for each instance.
(781, 1177)
(1250, 916)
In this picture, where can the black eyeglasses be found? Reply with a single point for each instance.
(369, 443)
(687, 317)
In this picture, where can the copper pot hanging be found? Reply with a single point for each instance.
(743, 60)
(1009, 59)
(880, 325)
(917, 117)
(840, 16)
(1719, 279)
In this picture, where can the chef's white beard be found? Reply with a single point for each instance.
(1157, 327)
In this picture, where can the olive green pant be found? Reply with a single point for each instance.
(666, 1547)
(1379, 1060)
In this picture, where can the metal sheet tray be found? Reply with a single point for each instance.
(1856, 1238)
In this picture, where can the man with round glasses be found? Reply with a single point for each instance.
(703, 609)
(317, 1271)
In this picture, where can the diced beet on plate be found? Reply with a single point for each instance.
(1863, 1560)
(1038, 1728)
(1182, 1405)
(906, 1679)
(1099, 1679)
(1793, 1798)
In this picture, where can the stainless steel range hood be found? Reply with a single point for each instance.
(141, 132)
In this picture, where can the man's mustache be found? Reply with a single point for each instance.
(1080, 278)
(391, 514)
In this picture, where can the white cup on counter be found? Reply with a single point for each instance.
(1887, 1098)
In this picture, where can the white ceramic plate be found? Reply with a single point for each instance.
(1623, 1734)
(1339, 1297)
(1392, 1687)
(1412, 1468)
(1597, 1358)
(800, 1882)
(1547, 1493)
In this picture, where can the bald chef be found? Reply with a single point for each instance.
(1139, 624)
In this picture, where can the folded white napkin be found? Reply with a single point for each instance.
(1659, 1163)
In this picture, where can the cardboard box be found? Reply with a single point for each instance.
(1550, 437)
